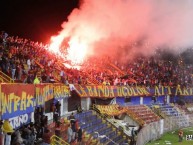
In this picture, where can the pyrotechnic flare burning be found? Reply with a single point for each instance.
(123, 27)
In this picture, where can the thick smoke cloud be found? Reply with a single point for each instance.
(130, 26)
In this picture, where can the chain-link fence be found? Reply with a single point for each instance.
(155, 130)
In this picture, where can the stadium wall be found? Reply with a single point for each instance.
(155, 130)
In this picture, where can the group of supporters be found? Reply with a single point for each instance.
(74, 131)
(24, 60)
(39, 132)
(30, 62)
(27, 134)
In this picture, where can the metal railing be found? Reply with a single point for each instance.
(5, 78)
(118, 69)
(55, 140)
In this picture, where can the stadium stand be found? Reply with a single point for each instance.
(23, 61)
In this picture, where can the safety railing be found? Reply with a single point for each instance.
(55, 140)
(118, 69)
(5, 78)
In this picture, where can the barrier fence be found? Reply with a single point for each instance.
(155, 130)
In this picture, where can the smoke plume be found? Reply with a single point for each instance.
(129, 26)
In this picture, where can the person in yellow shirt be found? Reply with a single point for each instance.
(104, 83)
(36, 80)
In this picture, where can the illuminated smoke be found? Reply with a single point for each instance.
(125, 27)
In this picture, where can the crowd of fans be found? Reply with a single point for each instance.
(30, 62)
(27, 134)
(24, 60)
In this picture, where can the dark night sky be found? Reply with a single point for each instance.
(34, 19)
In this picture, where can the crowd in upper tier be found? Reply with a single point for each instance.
(24, 61)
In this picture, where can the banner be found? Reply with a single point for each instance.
(61, 91)
(127, 91)
(20, 120)
(110, 91)
(43, 93)
(16, 99)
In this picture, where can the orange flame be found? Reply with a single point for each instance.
(76, 52)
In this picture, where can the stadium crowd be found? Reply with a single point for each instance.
(23, 60)
(29, 62)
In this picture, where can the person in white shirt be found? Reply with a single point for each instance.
(29, 64)
(7, 139)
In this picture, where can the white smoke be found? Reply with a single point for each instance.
(112, 26)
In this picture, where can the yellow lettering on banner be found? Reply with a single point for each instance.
(129, 91)
(46, 92)
(162, 90)
(119, 91)
(41, 97)
(37, 96)
(111, 92)
(145, 91)
(23, 101)
(5, 104)
(83, 92)
(89, 88)
(11, 99)
(178, 90)
(95, 91)
(16, 100)
(140, 92)
(191, 91)
(169, 90)
(101, 89)
(134, 92)
(55, 91)
(30, 101)
(157, 92)
(106, 91)
(66, 91)
(124, 91)
(185, 91)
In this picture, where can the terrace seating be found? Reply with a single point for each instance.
(143, 112)
(94, 125)
(169, 110)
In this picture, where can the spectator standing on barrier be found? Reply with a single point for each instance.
(180, 135)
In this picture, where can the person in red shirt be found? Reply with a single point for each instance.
(180, 135)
